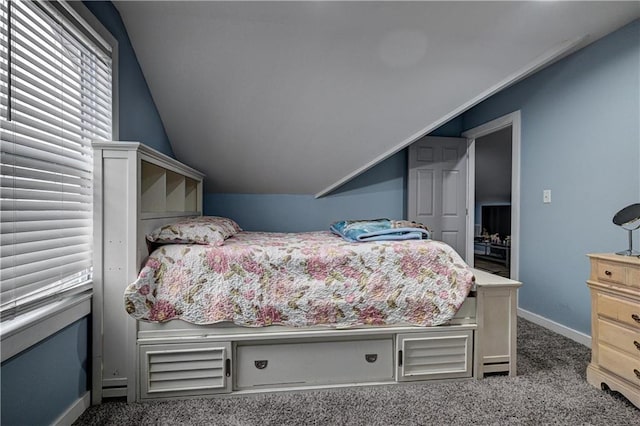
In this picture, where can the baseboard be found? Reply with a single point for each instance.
(563, 330)
(75, 411)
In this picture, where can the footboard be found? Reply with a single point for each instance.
(497, 304)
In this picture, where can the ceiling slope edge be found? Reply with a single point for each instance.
(553, 55)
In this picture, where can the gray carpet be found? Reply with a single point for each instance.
(550, 388)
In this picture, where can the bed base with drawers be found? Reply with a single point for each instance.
(138, 189)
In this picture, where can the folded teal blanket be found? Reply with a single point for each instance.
(379, 230)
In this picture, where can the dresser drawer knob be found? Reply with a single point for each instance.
(607, 273)
(637, 373)
(635, 342)
(636, 318)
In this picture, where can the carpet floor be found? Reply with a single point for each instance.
(550, 389)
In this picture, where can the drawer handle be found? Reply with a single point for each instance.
(635, 342)
(607, 273)
(371, 357)
(636, 318)
(637, 373)
(261, 364)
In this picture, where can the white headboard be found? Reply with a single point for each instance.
(136, 189)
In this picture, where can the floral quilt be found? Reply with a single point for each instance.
(258, 279)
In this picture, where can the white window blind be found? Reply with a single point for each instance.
(55, 100)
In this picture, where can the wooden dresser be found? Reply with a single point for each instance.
(615, 324)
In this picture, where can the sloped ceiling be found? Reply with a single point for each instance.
(297, 97)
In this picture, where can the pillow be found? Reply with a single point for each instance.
(210, 230)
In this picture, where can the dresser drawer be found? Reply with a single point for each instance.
(619, 363)
(317, 363)
(619, 337)
(611, 272)
(633, 277)
(621, 310)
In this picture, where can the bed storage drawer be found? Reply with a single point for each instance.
(171, 370)
(435, 355)
(316, 363)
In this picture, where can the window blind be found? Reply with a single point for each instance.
(55, 99)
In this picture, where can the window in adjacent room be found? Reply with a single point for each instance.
(55, 99)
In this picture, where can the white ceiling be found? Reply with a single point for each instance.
(297, 97)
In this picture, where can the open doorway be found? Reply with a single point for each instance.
(492, 208)
(493, 196)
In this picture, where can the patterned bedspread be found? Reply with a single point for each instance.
(258, 279)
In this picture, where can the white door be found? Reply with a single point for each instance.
(437, 194)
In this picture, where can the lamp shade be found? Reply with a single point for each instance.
(628, 216)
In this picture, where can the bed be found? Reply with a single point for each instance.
(257, 279)
(277, 316)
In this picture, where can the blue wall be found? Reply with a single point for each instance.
(40, 384)
(139, 119)
(378, 192)
(581, 139)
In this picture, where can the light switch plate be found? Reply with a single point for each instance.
(546, 196)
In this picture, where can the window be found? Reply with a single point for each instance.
(55, 99)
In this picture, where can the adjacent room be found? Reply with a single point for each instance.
(319, 212)
(492, 207)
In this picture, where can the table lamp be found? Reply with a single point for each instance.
(629, 219)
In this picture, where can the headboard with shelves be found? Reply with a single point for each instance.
(165, 191)
(136, 189)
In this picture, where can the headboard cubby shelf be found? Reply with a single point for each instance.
(165, 191)
(136, 189)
